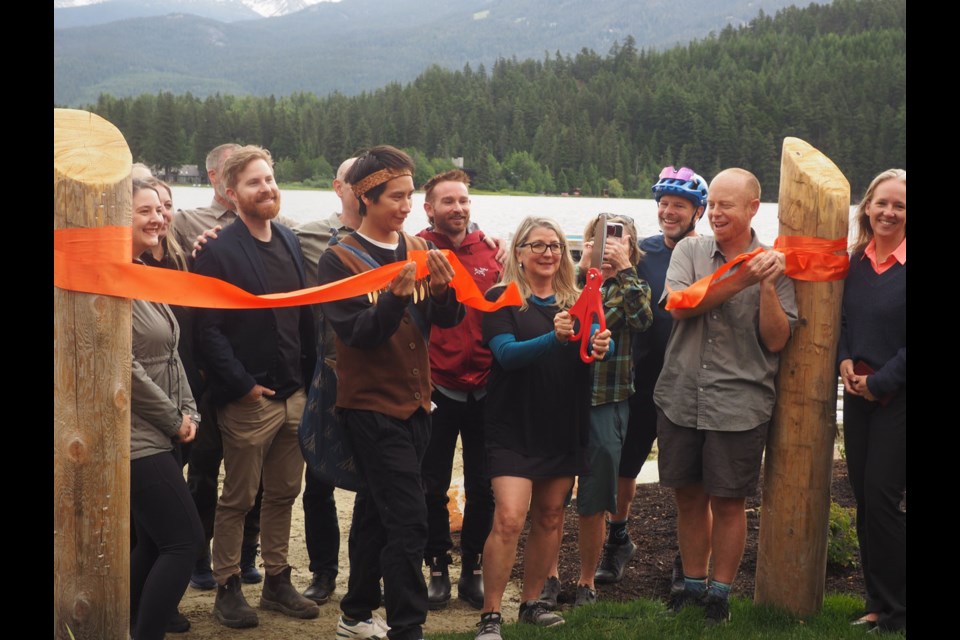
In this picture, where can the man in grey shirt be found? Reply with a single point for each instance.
(715, 394)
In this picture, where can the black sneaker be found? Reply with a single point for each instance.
(684, 598)
(202, 576)
(585, 596)
(676, 578)
(550, 593)
(489, 627)
(533, 612)
(614, 562)
(249, 573)
(716, 610)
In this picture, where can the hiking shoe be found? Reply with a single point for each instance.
(320, 589)
(373, 628)
(249, 573)
(676, 578)
(438, 590)
(716, 610)
(279, 595)
(489, 627)
(684, 598)
(550, 593)
(585, 595)
(231, 608)
(534, 612)
(614, 562)
(202, 576)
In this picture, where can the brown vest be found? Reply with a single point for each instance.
(393, 378)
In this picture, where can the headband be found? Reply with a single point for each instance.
(377, 178)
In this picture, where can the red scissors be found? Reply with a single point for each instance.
(588, 308)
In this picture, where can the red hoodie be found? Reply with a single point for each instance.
(458, 359)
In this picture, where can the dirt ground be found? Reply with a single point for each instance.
(652, 527)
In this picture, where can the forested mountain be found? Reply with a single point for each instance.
(834, 75)
(356, 45)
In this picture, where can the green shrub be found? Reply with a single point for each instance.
(843, 549)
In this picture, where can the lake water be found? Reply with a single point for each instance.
(497, 215)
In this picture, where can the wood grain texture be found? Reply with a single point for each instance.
(91, 394)
(792, 549)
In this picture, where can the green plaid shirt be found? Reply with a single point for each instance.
(626, 299)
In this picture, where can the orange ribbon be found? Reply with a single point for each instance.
(807, 259)
(98, 261)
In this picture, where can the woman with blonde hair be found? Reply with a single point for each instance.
(162, 414)
(167, 253)
(873, 364)
(626, 306)
(538, 402)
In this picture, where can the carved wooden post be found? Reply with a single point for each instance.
(91, 395)
(794, 516)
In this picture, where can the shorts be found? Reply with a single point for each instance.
(727, 463)
(597, 488)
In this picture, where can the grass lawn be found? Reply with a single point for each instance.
(648, 619)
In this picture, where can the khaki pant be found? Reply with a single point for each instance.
(258, 437)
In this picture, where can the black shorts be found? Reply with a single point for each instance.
(641, 432)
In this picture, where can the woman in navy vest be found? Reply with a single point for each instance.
(873, 365)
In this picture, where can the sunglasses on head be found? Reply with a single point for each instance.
(683, 173)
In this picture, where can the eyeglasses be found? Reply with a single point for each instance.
(556, 248)
(683, 173)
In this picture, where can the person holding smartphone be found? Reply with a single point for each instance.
(626, 304)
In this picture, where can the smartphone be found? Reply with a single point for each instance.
(614, 229)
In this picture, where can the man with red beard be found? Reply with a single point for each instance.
(258, 362)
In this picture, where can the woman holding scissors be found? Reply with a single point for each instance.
(537, 415)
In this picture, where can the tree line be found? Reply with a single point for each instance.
(834, 75)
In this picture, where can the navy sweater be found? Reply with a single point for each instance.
(874, 325)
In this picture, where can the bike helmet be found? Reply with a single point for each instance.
(681, 182)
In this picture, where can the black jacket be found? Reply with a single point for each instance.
(238, 348)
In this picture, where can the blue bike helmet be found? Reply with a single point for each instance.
(681, 182)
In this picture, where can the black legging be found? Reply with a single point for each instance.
(169, 537)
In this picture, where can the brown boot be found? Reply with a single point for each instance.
(279, 595)
(231, 608)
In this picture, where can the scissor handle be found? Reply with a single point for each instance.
(589, 310)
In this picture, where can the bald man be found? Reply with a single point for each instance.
(321, 524)
(715, 394)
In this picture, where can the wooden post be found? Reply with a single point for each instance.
(794, 514)
(91, 395)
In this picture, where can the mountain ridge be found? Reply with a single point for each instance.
(361, 45)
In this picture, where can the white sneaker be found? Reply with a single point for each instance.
(375, 628)
(380, 622)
